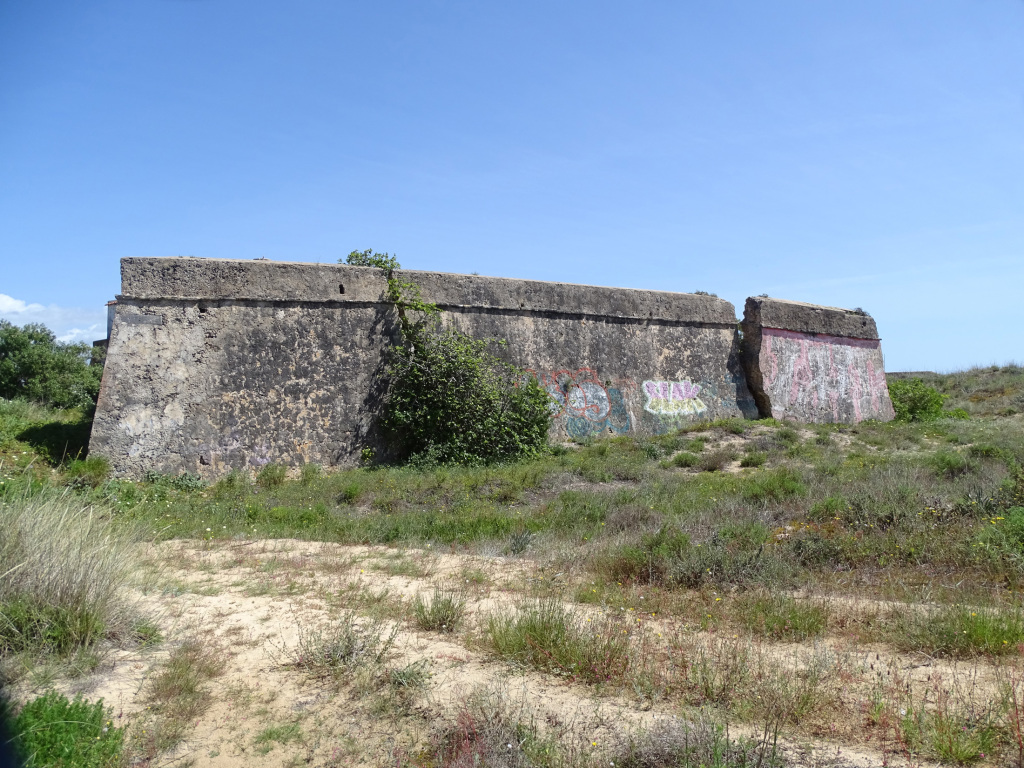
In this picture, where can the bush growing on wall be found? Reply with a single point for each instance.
(35, 366)
(450, 398)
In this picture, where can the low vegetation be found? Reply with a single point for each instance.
(764, 582)
(52, 731)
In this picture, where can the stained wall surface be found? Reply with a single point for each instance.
(812, 363)
(216, 364)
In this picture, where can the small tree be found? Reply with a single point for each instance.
(450, 398)
(35, 366)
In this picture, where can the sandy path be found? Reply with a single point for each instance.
(249, 601)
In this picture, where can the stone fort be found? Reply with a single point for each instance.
(216, 364)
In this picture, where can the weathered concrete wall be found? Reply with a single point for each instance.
(217, 364)
(813, 363)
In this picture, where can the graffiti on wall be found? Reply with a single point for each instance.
(815, 374)
(673, 398)
(587, 405)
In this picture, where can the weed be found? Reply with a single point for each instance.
(518, 542)
(702, 744)
(773, 485)
(349, 493)
(276, 734)
(950, 463)
(787, 436)
(346, 643)
(310, 473)
(271, 475)
(179, 696)
(685, 459)
(91, 471)
(409, 677)
(27, 625)
(491, 730)
(715, 461)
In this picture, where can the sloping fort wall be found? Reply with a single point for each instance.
(218, 364)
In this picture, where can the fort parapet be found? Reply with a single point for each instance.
(220, 364)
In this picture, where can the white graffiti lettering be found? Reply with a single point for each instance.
(673, 397)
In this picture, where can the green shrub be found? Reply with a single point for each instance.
(35, 366)
(55, 732)
(913, 400)
(685, 459)
(451, 398)
(754, 459)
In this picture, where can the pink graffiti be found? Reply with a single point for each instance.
(802, 376)
(815, 374)
(671, 390)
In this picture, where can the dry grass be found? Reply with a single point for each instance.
(63, 572)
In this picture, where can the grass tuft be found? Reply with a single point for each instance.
(442, 613)
(546, 635)
(345, 644)
(62, 572)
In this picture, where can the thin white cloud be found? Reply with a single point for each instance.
(12, 306)
(89, 334)
(70, 324)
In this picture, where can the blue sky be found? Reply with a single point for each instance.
(866, 154)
